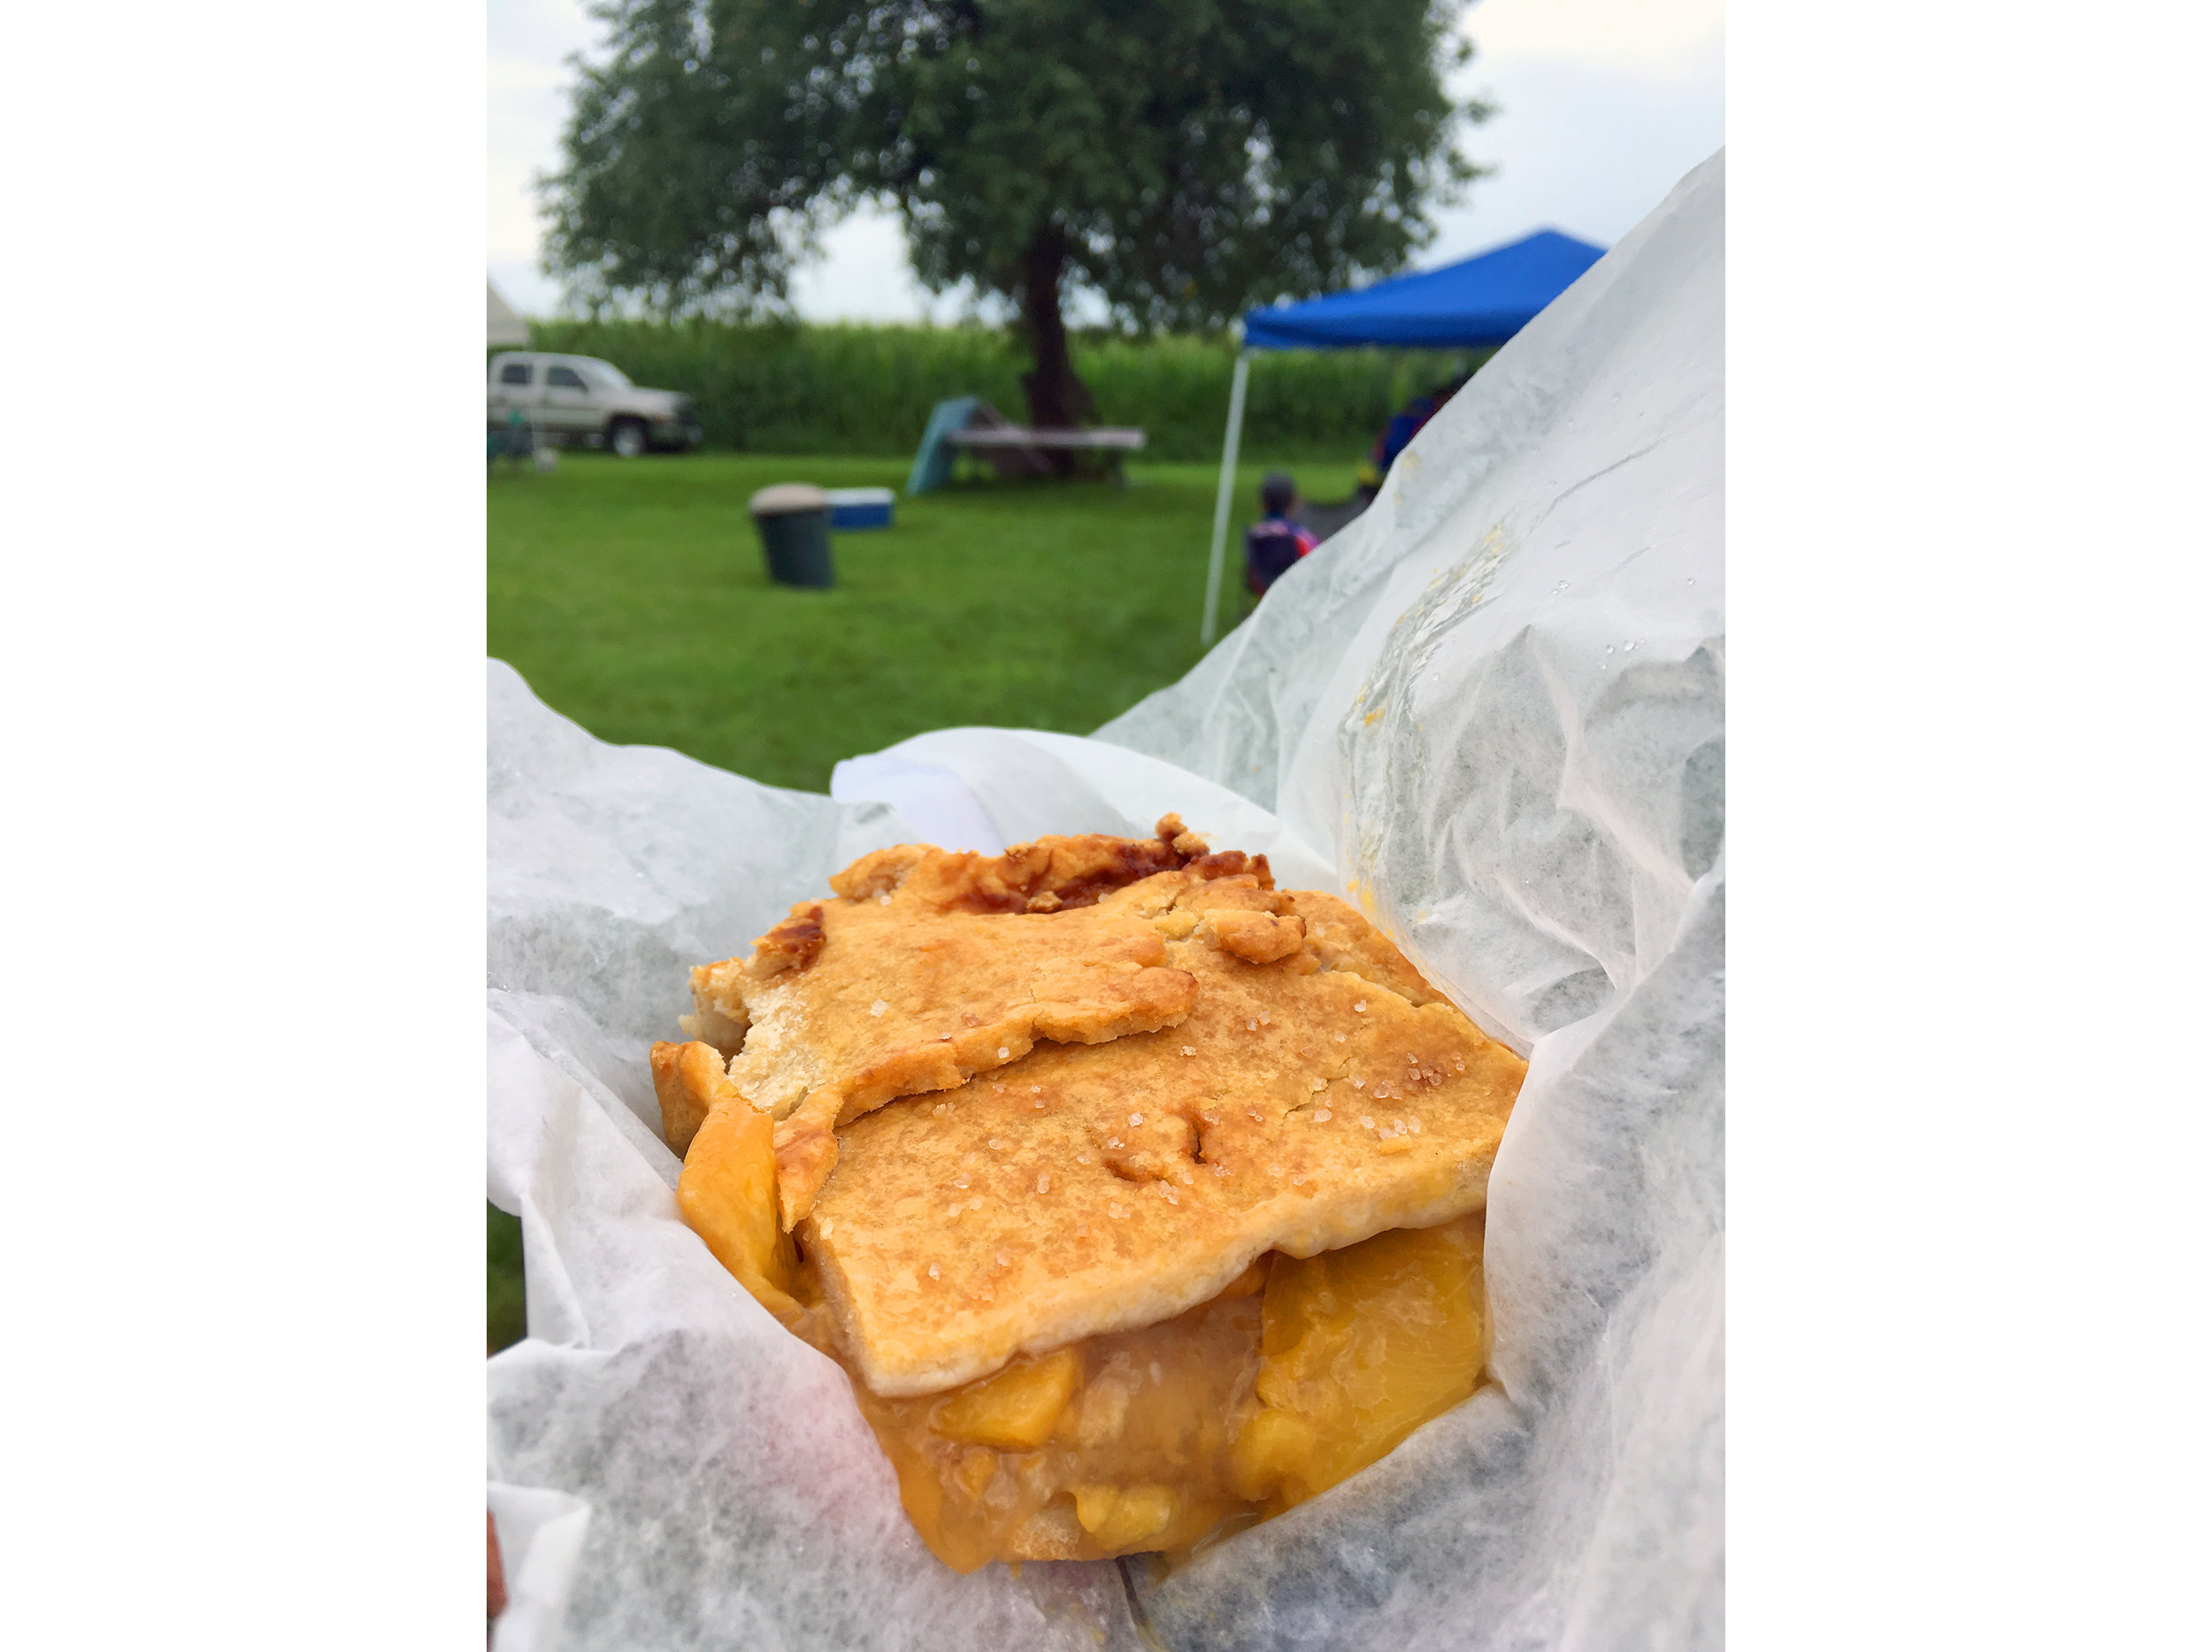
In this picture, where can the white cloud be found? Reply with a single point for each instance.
(1641, 36)
(862, 275)
(525, 105)
(1603, 105)
(1587, 138)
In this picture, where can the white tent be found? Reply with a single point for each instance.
(505, 327)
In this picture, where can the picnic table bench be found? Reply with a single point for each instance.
(971, 424)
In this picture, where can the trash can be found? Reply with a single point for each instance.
(794, 520)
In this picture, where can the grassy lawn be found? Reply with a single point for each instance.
(631, 597)
(503, 1289)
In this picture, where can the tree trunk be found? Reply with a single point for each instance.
(1057, 399)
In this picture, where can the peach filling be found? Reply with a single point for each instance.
(1299, 1374)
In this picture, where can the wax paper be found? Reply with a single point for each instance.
(1490, 710)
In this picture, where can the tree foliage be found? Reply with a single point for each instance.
(1183, 159)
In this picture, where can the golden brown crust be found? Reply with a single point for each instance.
(1048, 875)
(1344, 940)
(1257, 937)
(793, 944)
(805, 1154)
(687, 1078)
(900, 1004)
(1088, 1188)
(928, 967)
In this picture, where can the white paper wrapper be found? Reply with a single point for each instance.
(1491, 710)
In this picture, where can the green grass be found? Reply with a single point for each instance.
(632, 598)
(503, 1288)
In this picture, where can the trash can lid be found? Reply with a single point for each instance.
(788, 499)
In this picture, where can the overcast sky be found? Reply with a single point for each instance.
(1602, 105)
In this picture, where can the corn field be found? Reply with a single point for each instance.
(859, 389)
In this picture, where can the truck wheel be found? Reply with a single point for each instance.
(626, 438)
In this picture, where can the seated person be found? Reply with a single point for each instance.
(1275, 542)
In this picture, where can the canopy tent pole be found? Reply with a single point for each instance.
(1221, 500)
(1480, 301)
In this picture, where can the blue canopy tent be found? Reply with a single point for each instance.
(1480, 301)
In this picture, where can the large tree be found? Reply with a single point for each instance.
(1183, 159)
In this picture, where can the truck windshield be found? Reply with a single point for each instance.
(606, 377)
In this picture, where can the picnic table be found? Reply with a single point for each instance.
(968, 424)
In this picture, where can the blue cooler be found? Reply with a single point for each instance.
(853, 508)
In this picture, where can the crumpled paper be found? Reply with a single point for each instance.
(1490, 710)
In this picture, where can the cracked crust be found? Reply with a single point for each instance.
(929, 967)
(1302, 1105)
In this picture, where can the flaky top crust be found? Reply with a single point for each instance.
(928, 966)
(1087, 1189)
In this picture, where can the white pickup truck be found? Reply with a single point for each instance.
(574, 400)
